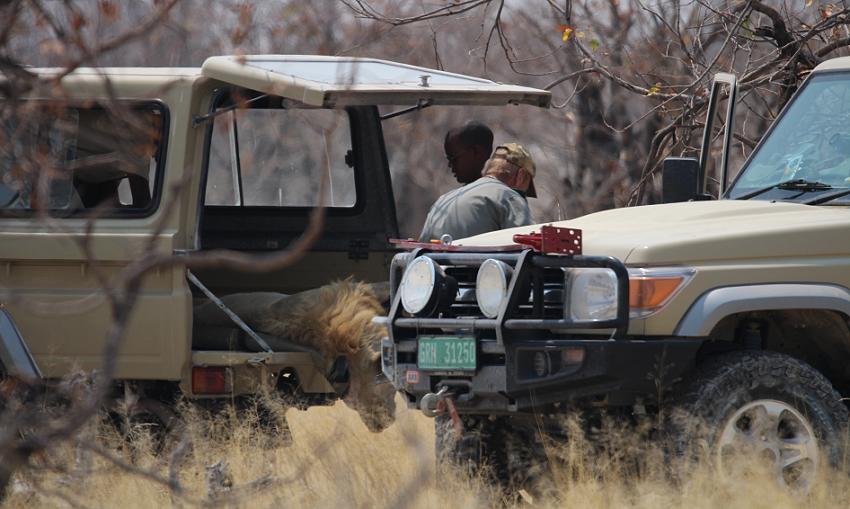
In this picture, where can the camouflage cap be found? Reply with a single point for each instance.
(516, 154)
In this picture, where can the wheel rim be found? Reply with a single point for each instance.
(776, 432)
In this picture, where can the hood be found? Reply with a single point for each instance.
(699, 231)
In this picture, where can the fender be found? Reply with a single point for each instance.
(14, 354)
(719, 303)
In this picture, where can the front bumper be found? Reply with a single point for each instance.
(614, 368)
(612, 372)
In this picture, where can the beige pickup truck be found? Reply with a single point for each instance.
(726, 316)
(97, 163)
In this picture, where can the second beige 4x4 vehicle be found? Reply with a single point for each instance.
(729, 316)
(96, 164)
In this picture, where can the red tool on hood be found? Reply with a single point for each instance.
(552, 240)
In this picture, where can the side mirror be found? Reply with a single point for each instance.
(679, 179)
(7, 195)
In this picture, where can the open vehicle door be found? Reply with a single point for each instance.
(282, 123)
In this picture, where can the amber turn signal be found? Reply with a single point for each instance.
(652, 292)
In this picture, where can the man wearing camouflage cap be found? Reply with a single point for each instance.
(493, 202)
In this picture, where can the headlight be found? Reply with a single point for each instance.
(491, 286)
(418, 285)
(593, 295)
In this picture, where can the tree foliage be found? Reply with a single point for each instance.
(632, 76)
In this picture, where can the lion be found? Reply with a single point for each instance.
(335, 320)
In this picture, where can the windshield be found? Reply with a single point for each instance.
(810, 142)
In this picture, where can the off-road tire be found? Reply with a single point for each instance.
(147, 415)
(463, 451)
(504, 451)
(727, 383)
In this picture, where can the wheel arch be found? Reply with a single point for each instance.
(15, 357)
(805, 321)
(714, 305)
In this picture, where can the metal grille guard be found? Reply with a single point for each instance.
(524, 264)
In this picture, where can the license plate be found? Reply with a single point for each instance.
(439, 353)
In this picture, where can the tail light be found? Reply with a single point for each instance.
(211, 380)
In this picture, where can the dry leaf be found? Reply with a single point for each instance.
(109, 10)
(78, 22)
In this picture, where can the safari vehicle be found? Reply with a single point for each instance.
(227, 156)
(727, 318)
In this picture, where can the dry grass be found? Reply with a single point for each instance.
(333, 461)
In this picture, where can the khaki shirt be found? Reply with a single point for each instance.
(482, 206)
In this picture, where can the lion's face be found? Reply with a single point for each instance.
(369, 393)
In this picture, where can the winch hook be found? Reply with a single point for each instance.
(429, 402)
(434, 404)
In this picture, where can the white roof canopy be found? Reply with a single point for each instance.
(340, 81)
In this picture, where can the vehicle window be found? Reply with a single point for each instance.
(74, 160)
(810, 141)
(278, 157)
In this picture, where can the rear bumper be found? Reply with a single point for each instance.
(613, 372)
(253, 372)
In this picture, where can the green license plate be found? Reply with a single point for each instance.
(440, 353)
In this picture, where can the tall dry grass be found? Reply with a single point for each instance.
(333, 461)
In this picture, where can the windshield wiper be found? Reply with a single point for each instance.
(791, 185)
(823, 198)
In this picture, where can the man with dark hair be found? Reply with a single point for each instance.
(467, 148)
(492, 202)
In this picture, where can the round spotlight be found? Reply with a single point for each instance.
(491, 286)
(418, 285)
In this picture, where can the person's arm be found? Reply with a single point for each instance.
(435, 220)
(425, 234)
(515, 210)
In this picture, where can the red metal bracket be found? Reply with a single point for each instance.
(552, 240)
